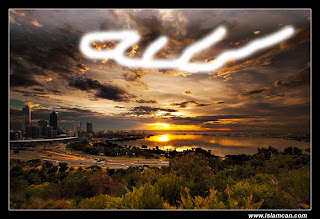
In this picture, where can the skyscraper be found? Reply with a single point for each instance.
(26, 118)
(54, 120)
(89, 127)
(43, 125)
(77, 126)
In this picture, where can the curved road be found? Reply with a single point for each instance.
(57, 154)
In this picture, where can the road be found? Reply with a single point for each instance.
(57, 154)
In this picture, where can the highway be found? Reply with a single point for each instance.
(44, 140)
(57, 154)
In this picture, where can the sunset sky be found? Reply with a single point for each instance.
(268, 91)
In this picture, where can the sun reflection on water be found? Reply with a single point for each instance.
(159, 138)
(172, 137)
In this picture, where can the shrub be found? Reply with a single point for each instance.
(96, 202)
(195, 169)
(144, 197)
(170, 186)
(295, 187)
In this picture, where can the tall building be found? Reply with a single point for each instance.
(54, 120)
(43, 124)
(35, 131)
(77, 126)
(26, 118)
(89, 127)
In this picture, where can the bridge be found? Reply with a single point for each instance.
(43, 140)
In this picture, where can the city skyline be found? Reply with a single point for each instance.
(52, 121)
(268, 91)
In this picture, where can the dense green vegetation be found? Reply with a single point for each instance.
(267, 180)
(113, 149)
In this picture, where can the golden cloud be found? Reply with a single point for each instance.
(48, 79)
(30, 104)
(132, 52)
(36, 23)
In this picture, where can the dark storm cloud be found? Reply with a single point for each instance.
(203, 119)
(252, 92)
(22, 79)
(147, 110)
(21, 75)
(300, 78)
(203, 104)
(41, 50)
(150, 28)
(184, 104)
(112, 92)
(85, 84)
(37, 92)
(295, 80)
(104, 91)
(146, 101)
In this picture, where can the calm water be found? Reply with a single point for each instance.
(219, 145)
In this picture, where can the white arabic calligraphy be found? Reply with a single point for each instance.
(128, 38)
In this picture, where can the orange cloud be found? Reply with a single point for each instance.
(132, 52)
(48, 79)
(30, 104)
(36, 23)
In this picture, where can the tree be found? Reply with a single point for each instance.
(216, 201)
(47, 165)
(195, 169)
(268, 152)
(101, 183)
(96, 202)
(170, 186)
(292, 151)
(144, 197)
(295, 187)
(63, 167)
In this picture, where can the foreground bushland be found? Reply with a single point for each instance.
(267, 180)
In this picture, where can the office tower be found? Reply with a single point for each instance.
(26, 118)
(35, 131)
(89, 127)
(77, 126)
(43, 124)
(54, 120)
(49, 131)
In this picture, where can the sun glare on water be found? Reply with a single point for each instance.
(161, 138)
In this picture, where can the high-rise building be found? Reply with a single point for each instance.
(50, 132)
(54, 120)
(35, 131)
(43, 124)
(26, 118)
(77, 126)
(89, 127)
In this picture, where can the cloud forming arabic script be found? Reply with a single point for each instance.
(128, 38)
